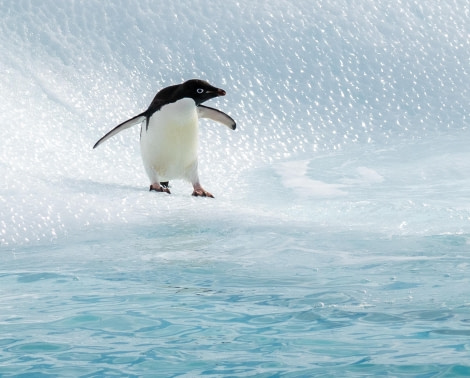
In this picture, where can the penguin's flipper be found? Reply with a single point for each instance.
(122, 126)
(216, 115)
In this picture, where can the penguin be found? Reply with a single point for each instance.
(169, 133)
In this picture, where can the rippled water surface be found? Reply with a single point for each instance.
(338, 242)
(220, 300)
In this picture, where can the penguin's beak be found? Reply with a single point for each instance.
(218, 92)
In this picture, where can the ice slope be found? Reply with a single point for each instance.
(312, 85)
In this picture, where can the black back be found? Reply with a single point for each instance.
(199, 90)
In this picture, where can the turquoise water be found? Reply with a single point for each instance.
(338, 242)
(211, 300)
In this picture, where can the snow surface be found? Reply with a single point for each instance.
(351, 152)
(303, 80)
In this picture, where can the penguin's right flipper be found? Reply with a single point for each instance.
(122, 126)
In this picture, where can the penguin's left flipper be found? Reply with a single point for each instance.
(122, 126)
(216, 115)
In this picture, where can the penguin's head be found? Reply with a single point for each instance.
(199, 90)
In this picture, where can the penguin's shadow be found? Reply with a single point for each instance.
(91, 186)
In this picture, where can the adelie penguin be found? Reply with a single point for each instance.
(169, 133)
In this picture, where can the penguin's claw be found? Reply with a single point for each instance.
(201, 193)
(160, 189)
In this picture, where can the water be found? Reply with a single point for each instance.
(338, 241)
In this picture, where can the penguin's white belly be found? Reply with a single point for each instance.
(169, 145)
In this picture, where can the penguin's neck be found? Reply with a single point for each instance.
(182, 113)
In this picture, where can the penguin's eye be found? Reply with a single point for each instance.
(200, 90)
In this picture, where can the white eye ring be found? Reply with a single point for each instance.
(200, 90)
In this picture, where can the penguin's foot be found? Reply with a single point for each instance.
(200, 192)
(158, 188)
